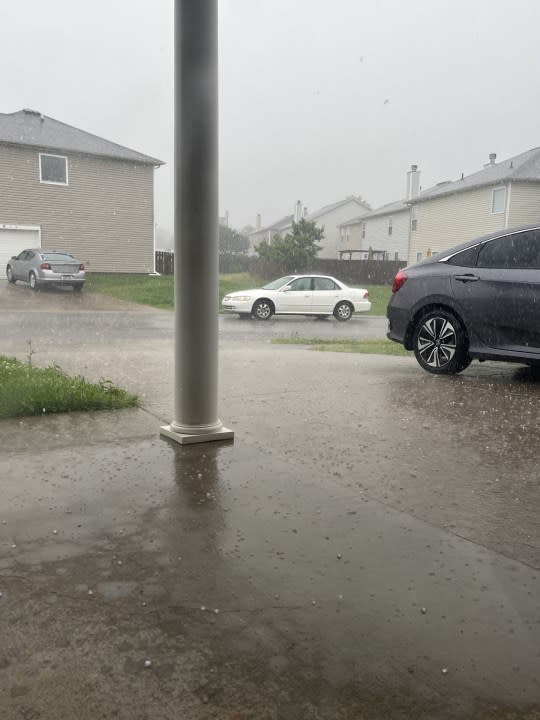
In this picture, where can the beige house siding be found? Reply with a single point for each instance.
(377, 237)
(351, 237)
(104, 216)
(446, 221)
(524, 204)
(329, 221)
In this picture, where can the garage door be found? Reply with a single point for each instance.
(14, 241)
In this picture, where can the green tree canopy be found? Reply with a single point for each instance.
(296, 251)
(231, 241)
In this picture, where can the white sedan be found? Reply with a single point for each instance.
(318, 295)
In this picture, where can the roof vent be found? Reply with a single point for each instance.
(29, 111)
(492, 158)
(444, 182)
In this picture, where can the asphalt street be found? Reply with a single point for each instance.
(55, 317)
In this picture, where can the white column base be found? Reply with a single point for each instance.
(183, 438)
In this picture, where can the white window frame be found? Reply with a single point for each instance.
(497, 189)
(51, 182)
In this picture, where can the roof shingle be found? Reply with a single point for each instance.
(524, 167)
(31, 128)
(388, 209)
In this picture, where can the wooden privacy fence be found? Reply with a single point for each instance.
(351, 272)
(165, 262)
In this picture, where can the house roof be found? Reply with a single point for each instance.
(524, 167)
(388, 209)
(334, 206)
(287, 221)
(278, 225)
(32, 129)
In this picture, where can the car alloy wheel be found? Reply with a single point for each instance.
(263, 310)
(343, 311)
(439, 343)
(32, 281)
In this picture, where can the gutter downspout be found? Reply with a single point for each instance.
(508, 198)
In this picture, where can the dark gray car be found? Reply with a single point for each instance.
(46, 267)
(479, 300)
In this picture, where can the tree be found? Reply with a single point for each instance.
(231, 241)
(297, 250)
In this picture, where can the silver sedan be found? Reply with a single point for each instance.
(46, 267)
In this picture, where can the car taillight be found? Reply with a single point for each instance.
(366, 295)
(399, 281)
(45, 266)
(81, 266)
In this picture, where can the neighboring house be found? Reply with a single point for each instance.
(500, 196)
(268, 232)
(382, 233)
(66, 189)
(329, 217)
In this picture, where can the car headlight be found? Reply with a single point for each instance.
(237, 298)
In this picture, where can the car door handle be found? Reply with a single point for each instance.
(469, 277)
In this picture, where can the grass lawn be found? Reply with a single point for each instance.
(379, 296)
(370, 347)
(158, 291)
(29, 390)
(154, 290)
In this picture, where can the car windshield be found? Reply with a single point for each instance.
(276, 284)
(57, 257)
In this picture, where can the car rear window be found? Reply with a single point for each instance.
(321, 283)
(465, 258)
(57, 257)
(516, 251)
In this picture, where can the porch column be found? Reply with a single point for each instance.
(196, 225)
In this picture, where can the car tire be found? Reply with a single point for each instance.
(262, 310)
(440, 343)
(9, 273)
(33, 281)
(78, 287)
(343, 311)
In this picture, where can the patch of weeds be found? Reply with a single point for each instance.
(28, 390)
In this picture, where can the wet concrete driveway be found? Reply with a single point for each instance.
(368, 548)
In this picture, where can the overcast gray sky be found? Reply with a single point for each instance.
(303, 89)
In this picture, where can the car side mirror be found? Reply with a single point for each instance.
(13, 257)
(286, 289)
